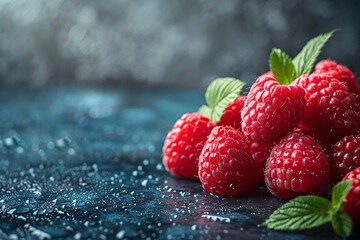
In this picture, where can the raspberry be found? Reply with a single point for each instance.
(324, 143)
(352, 200)
(225, 164)
(271, 110)
(297, 166)
(184, 143)
(331, 110)
(340, 72)
(231, 116)
(345, 157)
(260, 153)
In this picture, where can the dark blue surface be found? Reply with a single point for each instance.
(85, 163)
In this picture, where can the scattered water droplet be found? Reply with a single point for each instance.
(71, 151)
(159, 166)
(144, 183)
(19, 150)
(50, 145)
(11, 211)
(216, 218)
(120, 235)
(13, 237)
(63, 142)
(9, 142)
(77, 236)
(31, 172)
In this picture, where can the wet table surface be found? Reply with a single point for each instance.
(85, 163)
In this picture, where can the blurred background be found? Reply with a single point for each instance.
(178, 43)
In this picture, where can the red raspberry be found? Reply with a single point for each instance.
(232, 116)
(345, 157)
(225, 164)
(297, 166)
(340, 72)
(331, 110)
(260, 153)
(271, 110)
(184, 143)
(352, 200)
(324, 143)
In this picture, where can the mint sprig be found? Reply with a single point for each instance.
(282, 67)
(308, 212)
(342, 224)
(220, 93)
(304, 61)
(286, 70)
(338, 192)
(301, 213)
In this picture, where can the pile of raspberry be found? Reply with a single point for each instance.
(297, 139)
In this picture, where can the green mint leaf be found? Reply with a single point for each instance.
(339, 192)
(205, 110)
(282, 67)
(305, 60)
(220, 93)
(342, 224)
(303, 212)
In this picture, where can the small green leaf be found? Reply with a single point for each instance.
(282, 67)
(205, 110)
(301, 213)
(342, 224)
(307, 57)
(339, 192)
(219, 94)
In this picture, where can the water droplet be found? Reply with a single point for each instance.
(63, 142)
(95, 167)
(11, 211)
(71, 151)
(31, 172)
(144, 183)
(120, 235)
(77, 236)
(20, 150)
(9, 142)
(159, 166)
(50, 145)
(13, 237)
(216, 218)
